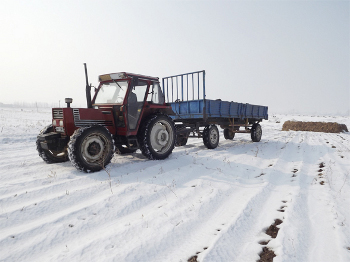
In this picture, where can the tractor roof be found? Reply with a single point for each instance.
(122, 75)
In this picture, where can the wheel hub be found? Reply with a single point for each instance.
(213, 136)
(160, 137)
(92, 148)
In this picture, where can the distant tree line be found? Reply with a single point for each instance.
(31, 105)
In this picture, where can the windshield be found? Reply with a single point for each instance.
(112, 93)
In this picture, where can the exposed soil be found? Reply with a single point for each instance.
(193, 259)
(272, 231)
(266, 255)
(314, 126)
(264, 243)
(260, 175)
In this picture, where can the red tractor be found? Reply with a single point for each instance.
(127, 112)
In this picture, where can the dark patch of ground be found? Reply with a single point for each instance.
(273, 229)
(264, 243)
(193, 259)
(260, 175)
(266, 255)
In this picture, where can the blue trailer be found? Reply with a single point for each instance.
(196, 116)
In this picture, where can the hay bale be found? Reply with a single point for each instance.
(325, 127)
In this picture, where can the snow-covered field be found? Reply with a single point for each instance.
(213, 204)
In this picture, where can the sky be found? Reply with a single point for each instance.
(293, 56)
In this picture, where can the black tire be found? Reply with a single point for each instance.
(211, 136)
(181, 140)
(91, 148)
(50, 156)
(229, 134)
(124, 150)
(256, 132)
(157, 137)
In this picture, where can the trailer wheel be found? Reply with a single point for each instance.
(211, 136)
(91, 148)
(256, 132)
(181, 140)
(229, 134)
(157, 137)
(50, 156)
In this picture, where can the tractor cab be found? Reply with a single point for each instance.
(130, 96)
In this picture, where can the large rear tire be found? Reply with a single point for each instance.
(211, 136)
(50, 156)
(157, 137)
(256, 132)
(91, 148)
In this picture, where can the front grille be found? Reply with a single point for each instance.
(57, 113)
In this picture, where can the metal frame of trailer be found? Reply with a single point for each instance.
(186, 95)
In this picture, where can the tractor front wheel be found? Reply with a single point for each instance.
(91, 148)
(50, 156)
(157, 137)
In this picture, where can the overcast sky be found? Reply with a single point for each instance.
(292, 56)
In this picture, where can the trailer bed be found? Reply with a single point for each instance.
(204, 109)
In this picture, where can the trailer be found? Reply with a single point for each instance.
(129, 112)
(196, 116)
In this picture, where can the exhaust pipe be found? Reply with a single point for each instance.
(88, 89)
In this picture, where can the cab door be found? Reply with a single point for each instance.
(135, 102)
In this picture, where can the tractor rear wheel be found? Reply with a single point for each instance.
(50, 156)
(157, 137)
(211, 136)
(256, 132)
(229, 134)
(91, 148)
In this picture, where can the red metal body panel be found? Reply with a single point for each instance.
(73, 118)
(89, 116)
(68, 121)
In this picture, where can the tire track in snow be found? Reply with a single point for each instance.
(233, 243)
(298, 234)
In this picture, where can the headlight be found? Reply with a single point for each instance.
(61, 122)
(54, 122)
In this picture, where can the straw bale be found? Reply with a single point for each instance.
(326, 127)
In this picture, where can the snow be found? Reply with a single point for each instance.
(215, 204)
